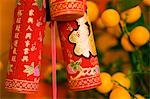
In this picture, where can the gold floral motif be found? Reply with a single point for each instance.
(29, 69)
(83, 38)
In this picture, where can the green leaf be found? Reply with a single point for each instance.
(146, 57)
(61, 77)
(40, 3)
(126, 4)
(99, 55)
(139, 22)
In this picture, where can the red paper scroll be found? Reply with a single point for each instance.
(64, 10)
(25, 54)
(79, 54)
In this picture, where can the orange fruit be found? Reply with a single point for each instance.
(126, 44)
(113, 55)
(106, 41)
(139, 36)
(146, 2)
(92, 7)
(138, 96)
(119, 93)
(59, 66)
(99, 23)
(149, 36)
(110, 17)
(107, 84)
(114, 31)
(122, 79)
(131, 15)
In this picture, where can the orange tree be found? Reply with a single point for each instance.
(135, 40)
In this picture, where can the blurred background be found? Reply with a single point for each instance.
(115, 55)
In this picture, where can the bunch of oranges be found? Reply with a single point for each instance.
(111, 18)
(118, 85)
(114, 26)
(130, 40)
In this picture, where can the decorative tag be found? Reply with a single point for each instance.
(65, 10)
(23, 73)
(79, 54)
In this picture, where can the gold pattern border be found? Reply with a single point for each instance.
(85, 83)
(21, 85)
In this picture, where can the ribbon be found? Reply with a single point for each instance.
(53, 44)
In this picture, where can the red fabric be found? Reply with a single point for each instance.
(79, 54)
(25, 53)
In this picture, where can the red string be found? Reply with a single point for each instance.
(53, 44)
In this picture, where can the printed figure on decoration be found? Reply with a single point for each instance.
(83, 38)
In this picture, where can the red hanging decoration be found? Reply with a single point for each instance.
(77, 42)
(64, 10)
(25, 54)
(79, 54)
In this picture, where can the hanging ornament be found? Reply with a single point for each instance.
(79, 54)
(23, 73)
(64, 10)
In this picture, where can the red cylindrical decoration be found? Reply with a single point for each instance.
(25, 53)
(65, 10)
(79, 54)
